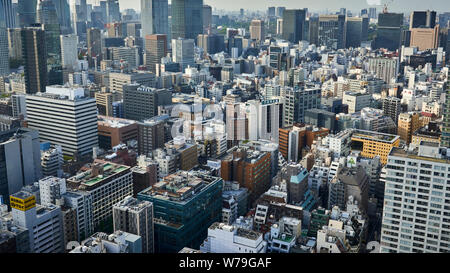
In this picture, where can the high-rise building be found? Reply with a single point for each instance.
(94, 46)
(183, 52)
(136, 217)
(425, 38)
(293, 24)
(372, 144)
(392, 108)
(187, 18)
(207, 18)
(297, 101)
(357, 31)
(211, 43)
(154, 18)
(63, 12)
(112, 11)
(48, 18)
(52, 161)
(445, 138)
(142, 102)
(34, 53)
(257, 30)
(384, 68)
(44, 223)
(423, 19)
(155, 49)
(4, 50)
(118, 80)
(332, 31)
(187, 225)
(105, 184)
(20, 158)
(26, 10)
(7, 13)
(69, 51)
(151, 135)
(415, 182)
(389, 31)
(63, 116)
(408, 124)
(372, 13)
(15, 44)
(115, 131)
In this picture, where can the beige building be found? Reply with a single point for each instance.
(257, 30)
(425, 38)
(408, 123)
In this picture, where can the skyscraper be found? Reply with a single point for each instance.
(422, 19)
(48, 18)
(94, 45)
(154, 17)
(8, 15)
(332, 31)
(207, 18)
(69, 51)
(183, 52)
(257, 30)
(155, 49)
(26, 10)
(34, 53)
(415, 213)
(357, 28)
(4, 50)
(389, 31)
(63, 12)
(187, 18)
(293, 24)
(112, 11)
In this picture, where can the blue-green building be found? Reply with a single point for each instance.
(185, 204)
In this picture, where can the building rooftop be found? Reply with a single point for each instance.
(241, 232)
(181, 186)
(114, 122)
(374, 136)
(100, 171)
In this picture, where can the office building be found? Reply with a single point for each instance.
(114, 131)
(211, 43)
(425, 38)
(408, 124)
(332, 32)
(118, 242)
(389, 31)
(20, 160)
(392, 108)
(321, 118)
(356, 101)
(142, 102)
(207, 18)
(384, 68)
(26, 10)
(94, 46)
(155, 49)
(183, 52)
(297, 101)
(151, 135)
(34, 53)
(418, 175)
(118, 80)
(44, 223)
(373, 144)
(257, 30)
(293, 25)
(52, 161)
(223, 238)
(154, 18)
(106, 184)
(69, 51)
(135, 217)
(187, 225)
(356, 31)
(112, 11)
(445, 138)
(423, 19)
(63, 116)
(187, 18)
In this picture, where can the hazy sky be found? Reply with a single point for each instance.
(316, 5)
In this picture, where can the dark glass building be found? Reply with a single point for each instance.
(34, 53)
(293, 24)
(389, 31)
(185, 205)
(187, 18)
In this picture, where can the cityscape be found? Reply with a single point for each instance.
(178, 126)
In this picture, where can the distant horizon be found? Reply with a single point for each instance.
(399, 6)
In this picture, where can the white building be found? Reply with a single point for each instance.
(44, 223)
(416, 207)
(51, 189)
(356, 101)
(63, 116)
(183, 52)
(229, 239)
(69, 51)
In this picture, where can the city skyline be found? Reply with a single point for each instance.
(313, 5)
